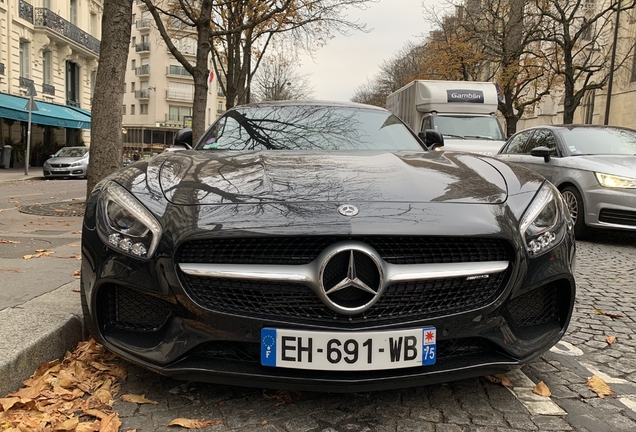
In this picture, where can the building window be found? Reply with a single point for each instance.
(176, 113)
(46, 66)
(93, 23)
(133, 64)
(132, 110)
(588, 106)
(124, 110)
(134, 40)
(72, 83)
(143, 109)
(73, 12)
(25, 60)
(219, 107)
(132, 87)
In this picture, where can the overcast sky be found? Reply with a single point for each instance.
(348, 61)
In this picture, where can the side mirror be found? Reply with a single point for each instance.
(183, 138)
(432, 138)
(541, 151)
(51, 156)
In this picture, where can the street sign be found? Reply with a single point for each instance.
(31, 105)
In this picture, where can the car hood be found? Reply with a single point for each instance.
(225, 177)
(623, 165)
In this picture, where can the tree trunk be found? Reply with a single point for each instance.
(201, 72)
(106, 117)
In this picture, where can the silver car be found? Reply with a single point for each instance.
(594, 167)
(67, 162)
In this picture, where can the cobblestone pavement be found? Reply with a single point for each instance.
(606, 277)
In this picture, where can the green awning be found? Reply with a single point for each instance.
(48, 114)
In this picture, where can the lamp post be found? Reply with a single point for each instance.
(30, 106)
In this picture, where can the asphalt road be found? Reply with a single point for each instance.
(606, 281)
(24, 234)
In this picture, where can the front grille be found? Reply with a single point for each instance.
(538, 306)
(60, 165)
(618, 217)
(251, 352)
(274, 300)
(303, 250)
(127, 309)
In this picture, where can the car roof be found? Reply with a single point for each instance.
(311, 103)
(577, 126)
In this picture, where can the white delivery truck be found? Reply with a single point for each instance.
(462, 112)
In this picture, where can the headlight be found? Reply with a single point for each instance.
(76, 164)
(544, 223)
(612, 181)
(125, 224)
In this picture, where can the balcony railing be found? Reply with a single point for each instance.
(25, 82)
(1, 68)
(142, 24)
(178, 70)
(48, 89)
(145, 46)
(143, 70)
(142, 94)
(176, 117)
(180, 96)
(25, 11)
(52, 21)
(72, 103)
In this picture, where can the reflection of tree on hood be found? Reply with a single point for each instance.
(303, 127)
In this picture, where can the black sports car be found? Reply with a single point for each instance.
(321, 246)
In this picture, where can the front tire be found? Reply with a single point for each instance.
(576, 207)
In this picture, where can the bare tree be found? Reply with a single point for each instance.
(108, 98)
(576, 40)
(174, 17)
(237, 56)
(277, 79)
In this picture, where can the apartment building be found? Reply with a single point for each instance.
(159, 91)
(52, 47)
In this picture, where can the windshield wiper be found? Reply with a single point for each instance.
(480, 137)
(453, 136)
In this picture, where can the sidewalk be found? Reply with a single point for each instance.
(17, 174)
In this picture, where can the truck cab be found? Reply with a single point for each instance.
(462, 112)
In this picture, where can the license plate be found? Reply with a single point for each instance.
(348, 351)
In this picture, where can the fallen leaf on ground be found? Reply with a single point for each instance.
(140, 399)
(610, 339)
(73, 245)
(9, 241)
(77, 257)
(499, 379)
(43, 253)
(611, 315)
(193, 424)
(264, 422)
(77, 274)
(283, 397)
(59, 211)
(600, 387)
(11, 270)
(542, 390)
(76, 232)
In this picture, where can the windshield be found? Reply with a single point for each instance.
(308, 127)
(72, 152)
(465, 127)
(597, 141)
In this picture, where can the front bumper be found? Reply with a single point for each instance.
(611, 208)
(64, 172)
(144, 312)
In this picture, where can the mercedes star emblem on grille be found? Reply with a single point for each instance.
(348, 210)
(351, 280)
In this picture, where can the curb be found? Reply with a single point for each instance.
(42, 329)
